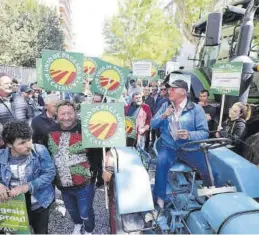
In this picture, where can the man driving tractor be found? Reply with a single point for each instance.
(180, 121)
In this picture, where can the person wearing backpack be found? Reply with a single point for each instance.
(27, 169)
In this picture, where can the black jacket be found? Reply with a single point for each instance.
(40, 126)
(150, 101)
(235, 130)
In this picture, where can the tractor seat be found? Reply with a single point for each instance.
(180, 167)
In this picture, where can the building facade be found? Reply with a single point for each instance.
(63, 8)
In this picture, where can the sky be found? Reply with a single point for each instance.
(88, 18)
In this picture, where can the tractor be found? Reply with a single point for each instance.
(229, 206)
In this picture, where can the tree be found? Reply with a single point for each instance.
(140, 30)
(190, 11)
(26, 29)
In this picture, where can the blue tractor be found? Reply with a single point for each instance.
(228, 207)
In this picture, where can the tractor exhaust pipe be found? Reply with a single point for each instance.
(247, 29)
(242, 54)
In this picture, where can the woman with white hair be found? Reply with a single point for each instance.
(41, 124)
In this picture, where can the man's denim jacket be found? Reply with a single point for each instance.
(40, 172)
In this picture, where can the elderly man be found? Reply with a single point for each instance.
(180, 121)
(43, 122)
(143, 115)
(11, 108)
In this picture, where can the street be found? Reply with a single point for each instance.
(64, 225)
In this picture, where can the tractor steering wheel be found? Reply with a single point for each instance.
(205, 144)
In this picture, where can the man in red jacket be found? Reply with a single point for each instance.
(143, 115)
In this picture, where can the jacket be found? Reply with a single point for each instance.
(14, 107)
(150, 101)
(40, 172)
(192, 119)
(235, 130)
(71, 161)
(40, 126)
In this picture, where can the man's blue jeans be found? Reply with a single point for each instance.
(167, 157)
(79, 203)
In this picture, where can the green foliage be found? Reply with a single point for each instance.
(140, 30)
(256, 36)
(26, 29)
(189, 12)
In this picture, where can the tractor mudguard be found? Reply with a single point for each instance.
(232, 169)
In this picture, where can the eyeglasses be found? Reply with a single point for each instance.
(163, 89)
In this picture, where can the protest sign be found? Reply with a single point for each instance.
(109, 80)
(39, 72)
(13, 216)
(226, 78)
(91, 66)
(142, 68)
(62, 71)
(103, 125)
(130, 125)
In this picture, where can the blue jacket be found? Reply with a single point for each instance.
(40, 172)
(192, 119)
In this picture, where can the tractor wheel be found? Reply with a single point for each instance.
(251, 149)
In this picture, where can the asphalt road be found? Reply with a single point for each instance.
(63, 225)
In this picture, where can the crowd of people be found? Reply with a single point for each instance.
(42, 148)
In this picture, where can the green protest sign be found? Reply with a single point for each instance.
(226, 78)
(13, 216)
(62, 71)
(154, 72)
(39, 72)
(109, 80)
(91, 66)
(130, 125)
(103, 125)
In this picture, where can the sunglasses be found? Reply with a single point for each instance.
(163, 89)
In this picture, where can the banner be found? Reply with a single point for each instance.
(62, 71)
(109, 80)
(39, 72)
(226, 78)
(130, 125)
(103, 125)
(179, 76)
(13, 216)
(91, 66)
(154, 71)
(142, 68)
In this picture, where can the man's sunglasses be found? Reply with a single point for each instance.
(163, 89)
